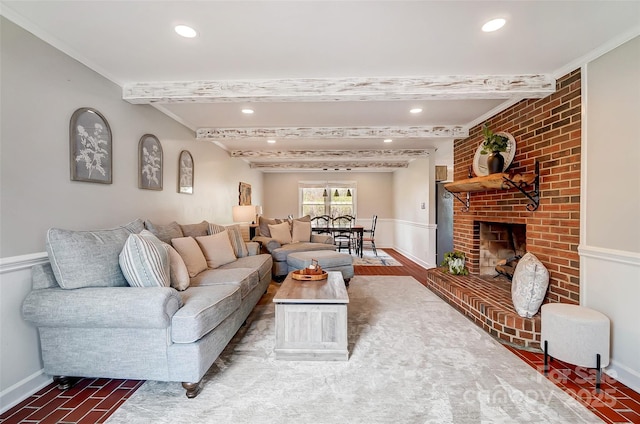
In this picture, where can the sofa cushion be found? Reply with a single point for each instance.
(191, 254)
(246, 278)
(280, 254)
(281, 232)
(177, 269)
(203, 309)
(88, 258)
(145, 261)
(301, 231)
(217, 249)
(195, 230)
(237, 241)
(263, 225)
(262, 263)
(164, 232)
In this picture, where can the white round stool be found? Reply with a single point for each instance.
(575, 334)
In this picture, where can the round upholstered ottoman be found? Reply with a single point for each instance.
(327, 259)
(575, 334)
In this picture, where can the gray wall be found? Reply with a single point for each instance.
(610, 203)
(41, 88)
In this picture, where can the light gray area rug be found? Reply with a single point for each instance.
(369, 259)
(414, 359)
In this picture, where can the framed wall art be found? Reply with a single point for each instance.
(90, 147)
(244, 198)
(185, 173)
(149, 163)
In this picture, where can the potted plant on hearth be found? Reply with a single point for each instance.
(493, 145)
(455, 261)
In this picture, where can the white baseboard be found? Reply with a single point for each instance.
(624, 375)
(23, 389)
(413, 258)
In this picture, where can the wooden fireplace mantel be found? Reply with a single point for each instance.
(489, 182)
(500, 181)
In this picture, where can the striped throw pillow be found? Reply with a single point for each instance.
(215, 228)
(144, 261)
(237, 241)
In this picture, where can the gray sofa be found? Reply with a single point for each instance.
(93, 323)
(279, 250)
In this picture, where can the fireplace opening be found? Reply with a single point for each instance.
(501, 246)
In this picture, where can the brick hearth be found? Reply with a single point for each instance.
(488, 304)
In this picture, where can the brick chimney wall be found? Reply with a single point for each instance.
(547, 130)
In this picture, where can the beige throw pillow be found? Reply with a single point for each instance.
(301, 231)
(178, 270)
(280, 232)
(191, 254)
(217, 249)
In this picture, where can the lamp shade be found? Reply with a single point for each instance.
(258, 210)
(244, 213)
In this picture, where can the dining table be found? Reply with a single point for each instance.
(357, 230)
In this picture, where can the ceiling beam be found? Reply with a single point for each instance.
(445, 131)
(329, 154)
(341, 89)
(329, 166)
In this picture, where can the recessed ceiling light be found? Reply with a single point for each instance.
(416, 110)
(186, 31)
(271, 141)
(247, 111)
(388, 140)
(494, 25)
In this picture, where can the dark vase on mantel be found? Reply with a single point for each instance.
(495, 163)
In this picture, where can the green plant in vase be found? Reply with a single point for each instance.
(455, 262)
(493, 145)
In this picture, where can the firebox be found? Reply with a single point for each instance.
(500, 241)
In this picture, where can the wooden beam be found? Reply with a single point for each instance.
(328, 166)
(440, 131)
(329, 154)
(342, 89)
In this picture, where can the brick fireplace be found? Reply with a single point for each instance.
(548, 131)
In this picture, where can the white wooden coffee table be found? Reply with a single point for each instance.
(311, 319)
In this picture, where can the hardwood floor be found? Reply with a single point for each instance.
(94, 400)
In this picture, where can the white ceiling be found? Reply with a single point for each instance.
(313, 68)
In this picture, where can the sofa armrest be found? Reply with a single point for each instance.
(322, 238)
(102, 307)
(268, 243)
(253, 247)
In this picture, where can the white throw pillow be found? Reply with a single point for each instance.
(280, 232)
(217, 249)
(529, 285)
(178, 270)
(301, 231)
(191, 254)
(144, 261)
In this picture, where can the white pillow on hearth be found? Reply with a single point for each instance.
(529, 285)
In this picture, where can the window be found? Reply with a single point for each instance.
(319, 198)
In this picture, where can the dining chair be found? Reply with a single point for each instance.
(341, 227)
(321, 224)
(370, 236)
